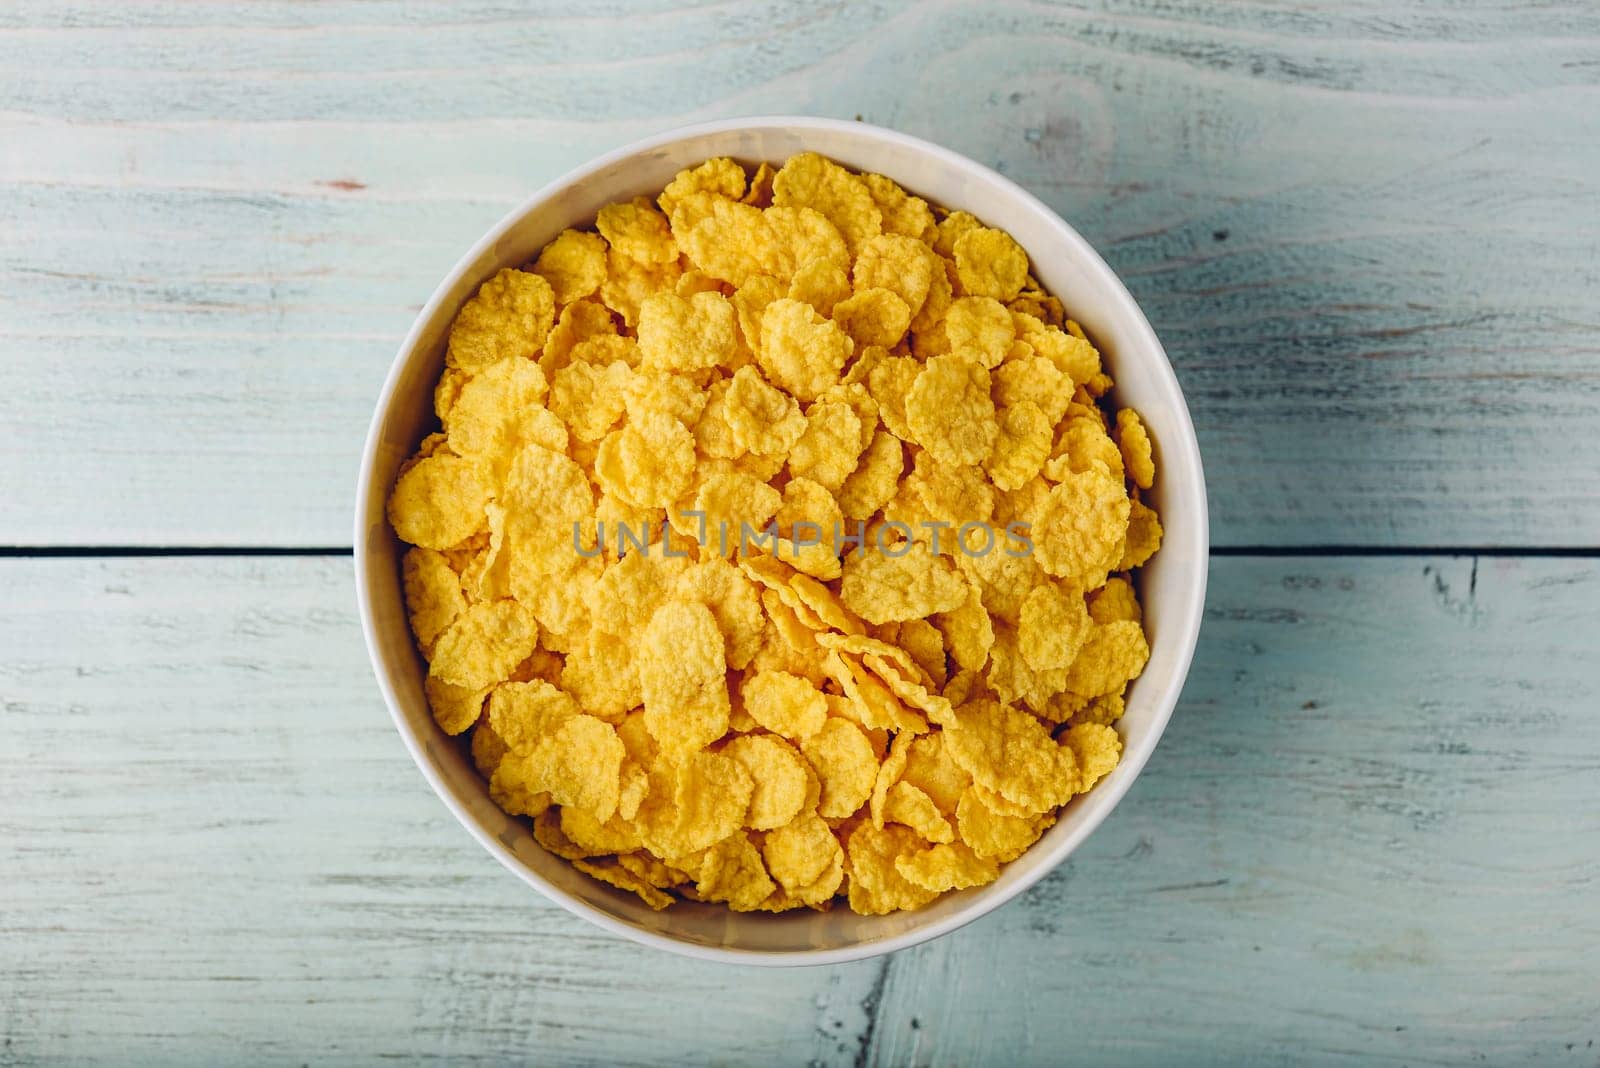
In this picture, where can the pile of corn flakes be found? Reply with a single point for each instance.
(882, 714)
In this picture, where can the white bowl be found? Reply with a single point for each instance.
(1172, 584)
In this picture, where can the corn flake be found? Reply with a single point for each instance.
(807, 501)
(600, 674)
(800, 350)
(433, 594)
(629, 282)
(683, 677)
(829, 449)
(795, 237)
(1053, 627)
(876, 885)
(949, 411)
(785, 704)
(612, 872)
(1114, 654)
(590, 399)
(874, 481)
(720, 177)
(902, 265)
(649, 463)
(1022, 446)
(930, 768)
(636, 230)
(484, 644)
(1079, 530)
(784, 782)
(1115, 600)
(522, 714)
(979, 327)
(732, 871)
(1097, 748)
(902, 213)
(455, 708)
(694, 803)
(574, 264)
(439, 502)
(687, 335)
(733, 601)
(1134, 441)
(1010, 752)
(844, 199)
(510, 315)
(908, 805)
(943, 868)
(487, 749)
(873, 317)
(845, 764)
(993, 835)
(989, 263)
(821, 284)
(805, 859)
(880, 588)
(579, 765)
(1143, 537)
(761, 419)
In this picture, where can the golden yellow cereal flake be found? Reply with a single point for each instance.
(1053, 627)
(949, 411)
(574, 264)
(1009, 751)
(989, 263)
(844, 199)
(942, 868)
(1022, 446)
(693, 803)
(484, 644)
(805, 859)
(522, 714)
(636, 230)
(1114, 654)
(784, 782)
(1143, 537)
(785, 704)
(510, 316)
(845, 764)
(612, 872)
(873, 317)
(439, 502)
(433, 594)
(829, 449)
(876, 885)
(1079, 530)
(761, 419)
(683, 677)
(687, 335)
(800, 350)
(880, 587)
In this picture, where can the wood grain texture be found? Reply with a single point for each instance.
(1371, 834)
(1366, 231)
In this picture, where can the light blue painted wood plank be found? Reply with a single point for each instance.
(217, 850)
(1366, 233)
(1371, 834)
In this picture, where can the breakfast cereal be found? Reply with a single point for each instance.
(775, 547)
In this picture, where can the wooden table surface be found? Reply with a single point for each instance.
(1369, 234)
